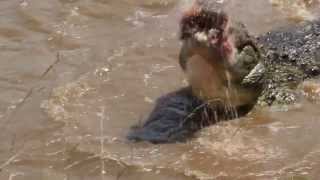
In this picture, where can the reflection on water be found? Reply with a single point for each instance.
(76, 74)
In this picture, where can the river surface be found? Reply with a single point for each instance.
(75, 75)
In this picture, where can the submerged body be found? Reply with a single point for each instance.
(226, 83)
(178, 115)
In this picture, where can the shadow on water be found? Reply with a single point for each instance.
(77, 74)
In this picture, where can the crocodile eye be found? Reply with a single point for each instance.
(314, 71)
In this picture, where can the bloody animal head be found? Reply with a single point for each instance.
(205, 33)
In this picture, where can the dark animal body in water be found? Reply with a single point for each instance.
(178, 115)
(263, 70)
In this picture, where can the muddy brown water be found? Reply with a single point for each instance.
(76, 74)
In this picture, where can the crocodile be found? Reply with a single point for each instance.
(291, 55)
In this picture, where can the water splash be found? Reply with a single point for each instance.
(232, 97)
(102, 118)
